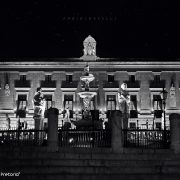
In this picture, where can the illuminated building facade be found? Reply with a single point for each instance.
(60, 82)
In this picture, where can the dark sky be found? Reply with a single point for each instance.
(129, 28)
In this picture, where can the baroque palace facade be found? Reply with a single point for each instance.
(60, 82)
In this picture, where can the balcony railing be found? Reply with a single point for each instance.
(66, 84)
(143, 138)
(154, 84)
(48, 84)
(21, 84)
(113, 84)
(132, 84)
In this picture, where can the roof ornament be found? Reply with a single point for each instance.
(89, 49)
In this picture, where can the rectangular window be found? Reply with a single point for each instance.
(23, 78)
(157, 79)
(68, 101)
(111, 102)
(48, 83)
(110, 78)
(21, 105)
(133, 107)
(22, 82)
(132, 78)
(133, 103)
(92, 104)
(48, 78)
(22, 102)
(158, 125)
(132, 125)
(48, 98)
(157, 102)
(69, 78)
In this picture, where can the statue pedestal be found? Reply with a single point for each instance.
(175, 132)
(52, 138)
(117, 138)
(39, 136)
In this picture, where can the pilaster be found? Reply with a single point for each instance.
(58, 77)
(102, 76)
(144, 95)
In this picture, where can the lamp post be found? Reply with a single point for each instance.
(163, 94)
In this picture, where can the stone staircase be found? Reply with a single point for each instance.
(88, 164)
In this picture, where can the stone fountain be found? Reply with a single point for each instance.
(87, 95)
(87, 122)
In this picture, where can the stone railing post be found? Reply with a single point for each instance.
(52, 136)
(116, 125)
(175, 132)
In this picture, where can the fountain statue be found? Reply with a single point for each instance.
(86, 95)
(87, 121)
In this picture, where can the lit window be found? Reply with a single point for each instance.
(157, 103)
(111, 102)
(158, 125)
(21, 105)
(133, 104)
(133, 107)
(68, 101)
(48, 101)
(132, 125)
(92, 104)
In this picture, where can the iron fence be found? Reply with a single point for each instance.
(156, 139)
(87, 138)
(22, 137)
(84, 138)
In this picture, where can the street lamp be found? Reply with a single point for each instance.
(163, 94)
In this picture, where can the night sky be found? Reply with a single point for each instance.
(127, 28)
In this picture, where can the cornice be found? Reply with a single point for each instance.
(118, 65)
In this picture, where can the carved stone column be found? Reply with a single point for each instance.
(35, 78)
(58, 77)
(144, 95)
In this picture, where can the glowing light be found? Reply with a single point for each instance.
(71, 140)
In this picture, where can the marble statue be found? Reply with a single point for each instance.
(124, 104)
